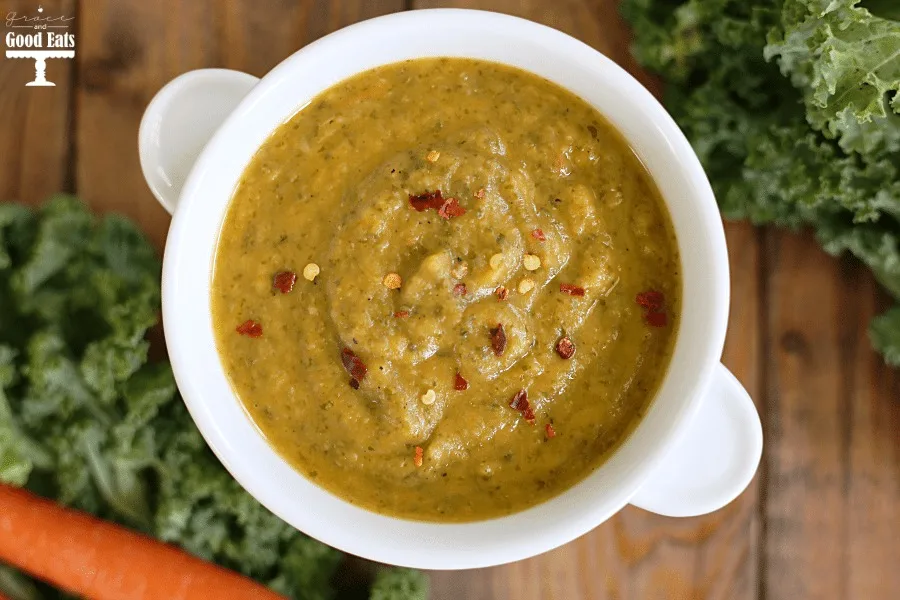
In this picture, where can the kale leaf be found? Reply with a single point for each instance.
(793, 107)
(400, 584)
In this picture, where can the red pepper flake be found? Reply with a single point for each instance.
(354, 383)
(654, 313)
(480, 193)
(651, 300)
(572, 290)
(528, 415)
(284, 281)
(565, 348)
(401, 314)
(551, 433)
(520, 403)
(427, 200)
(498, 339)
(418, 458)
(538, 234)
(502, 293)
(460, 384)
(451, 208)
(447, 207)
(250, 328)
(656, 319)
(460, 289)
(353, 364)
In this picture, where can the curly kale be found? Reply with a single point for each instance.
(793, 107)
(400, 584)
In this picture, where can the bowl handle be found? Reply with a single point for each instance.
(714, 459)
(179, 121)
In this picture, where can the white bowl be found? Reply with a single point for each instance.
(700, 442)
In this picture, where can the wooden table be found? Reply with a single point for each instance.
(822, 519)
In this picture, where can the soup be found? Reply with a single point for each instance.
(446, 290)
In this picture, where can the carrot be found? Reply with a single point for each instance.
(102, 561)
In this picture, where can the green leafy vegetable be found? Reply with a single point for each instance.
(16, 585)
(885, 333)
(400, 584)
(793, 107)
(846, 63)
(86, 420)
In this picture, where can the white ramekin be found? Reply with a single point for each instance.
(696, 449)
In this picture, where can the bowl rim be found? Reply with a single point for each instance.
(428, 544)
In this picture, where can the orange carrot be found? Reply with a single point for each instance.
(102, 561)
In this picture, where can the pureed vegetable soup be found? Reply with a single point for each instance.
(446, 289)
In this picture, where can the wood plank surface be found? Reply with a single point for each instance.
(34, 137)
(638, 555)
(833, 450)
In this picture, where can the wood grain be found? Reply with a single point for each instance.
(34, 137)
(833, 458)
(638, 555)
